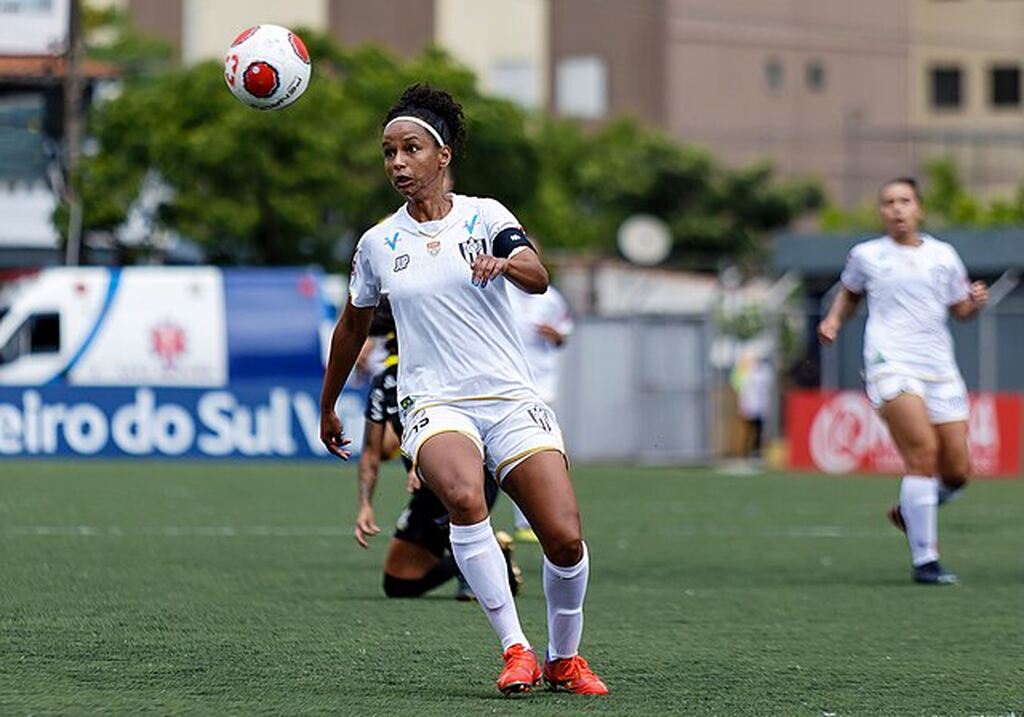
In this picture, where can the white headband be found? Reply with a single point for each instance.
(422, 123)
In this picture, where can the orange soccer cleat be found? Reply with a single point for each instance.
(573, 674)
(521, 671)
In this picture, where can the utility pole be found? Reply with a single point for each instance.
(73, 86)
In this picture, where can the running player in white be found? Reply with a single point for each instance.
(464, 384)
(913, 283)
(544, 323)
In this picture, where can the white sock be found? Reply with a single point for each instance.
(564, 589)
(482, 565)
(919, 503)
(947, 494)
(518, 519)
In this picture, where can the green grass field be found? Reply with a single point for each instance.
(188, 588)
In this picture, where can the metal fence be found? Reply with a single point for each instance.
(638, 390)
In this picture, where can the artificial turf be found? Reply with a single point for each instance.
(235, 588)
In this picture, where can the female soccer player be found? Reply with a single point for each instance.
(464, 384)
(913, 282)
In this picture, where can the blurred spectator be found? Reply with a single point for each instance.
(754, 381)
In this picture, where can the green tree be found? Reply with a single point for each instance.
(110, 36)
(947, 202)
(301, 184)
(284, 187)
(591, 183)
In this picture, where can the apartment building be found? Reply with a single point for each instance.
(849, 91)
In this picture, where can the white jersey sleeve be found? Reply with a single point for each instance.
(364, 284)
(955, 285)
(496, 217)
(854, 276)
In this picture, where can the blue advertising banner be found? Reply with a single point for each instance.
(245, 421)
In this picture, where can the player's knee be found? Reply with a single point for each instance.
(566, 550)
(403, 587)
(465, 503)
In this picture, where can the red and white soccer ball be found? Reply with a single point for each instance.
(267, 67)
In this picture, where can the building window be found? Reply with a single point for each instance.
(815, 76)
(773, 74)
(581, 83)
(516, 80)
(1005, 83)
(38, 334)
(947, 88)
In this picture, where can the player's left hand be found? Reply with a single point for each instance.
(979, 293)
(486, 267)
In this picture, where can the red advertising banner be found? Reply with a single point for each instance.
(839, 432)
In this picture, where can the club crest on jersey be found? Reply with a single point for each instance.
(434, 247)
(401, 262)
(472, 248)
(392, 242)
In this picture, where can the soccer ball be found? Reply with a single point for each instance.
(267, 67)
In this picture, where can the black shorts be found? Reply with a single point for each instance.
(425, 519)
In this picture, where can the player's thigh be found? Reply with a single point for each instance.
(540, 485)
(407, 560)
(954, 463)
(451, 464)
(907, 418)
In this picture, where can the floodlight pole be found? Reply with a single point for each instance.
(73, 131)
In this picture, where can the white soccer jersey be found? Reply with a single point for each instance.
(910, 290)
(530, 311)
(456, 340)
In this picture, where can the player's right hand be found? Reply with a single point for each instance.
(332, 436)
(366, 526)
(828, 329)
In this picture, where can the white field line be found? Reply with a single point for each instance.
(796, 532)
(180, 531)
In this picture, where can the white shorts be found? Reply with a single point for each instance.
(946, 400)
(506, 432)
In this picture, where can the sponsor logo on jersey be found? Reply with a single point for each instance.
(434, 247)
(470, 224)
(392, 241)
(401, 262)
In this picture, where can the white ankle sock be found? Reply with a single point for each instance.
(919, 502)
(482, 565)
(564, 589)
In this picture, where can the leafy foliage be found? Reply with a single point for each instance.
(947, 203)
(299, 185)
